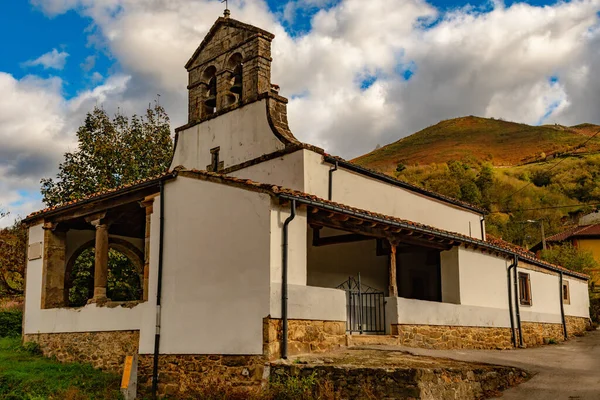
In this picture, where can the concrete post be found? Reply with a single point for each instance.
(101, 261)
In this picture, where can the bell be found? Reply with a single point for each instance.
(237, 85)
(211, 101)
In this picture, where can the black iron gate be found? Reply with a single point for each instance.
(365, 307)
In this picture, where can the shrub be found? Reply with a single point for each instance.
(10, 323)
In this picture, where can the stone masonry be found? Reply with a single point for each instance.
(452, 337)
(189, 374)
(304, 336)
(103, 350)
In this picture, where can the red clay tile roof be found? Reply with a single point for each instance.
(500, 244)
(96, 195)
(492, 242)
(578, 231)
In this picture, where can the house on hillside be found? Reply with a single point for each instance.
(584, 236)
(255, 246)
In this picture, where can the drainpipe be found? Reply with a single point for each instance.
(158, 292)
(331, 171)
(510, 307)
(562, 307)
(284, 282)
(482, 224)
(517, 308)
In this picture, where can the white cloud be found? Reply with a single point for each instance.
(54, 59)
(497, 62)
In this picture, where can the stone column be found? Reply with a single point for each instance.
(147, 203)
(53, 275)
(393, 287)
(101, 261)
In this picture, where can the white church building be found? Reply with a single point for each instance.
(255, 246)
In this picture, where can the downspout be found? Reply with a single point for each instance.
(158, 292)
(510, 307)
(482, 224)
(284, 283)
(517, 308)
(562, 306)
(331, 171)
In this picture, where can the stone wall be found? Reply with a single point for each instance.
(452, 337)
(304, 336)
(103, 350)
(536, 333)
(192, 374)
(577, 325)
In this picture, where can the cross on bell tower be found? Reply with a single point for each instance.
(226, 13)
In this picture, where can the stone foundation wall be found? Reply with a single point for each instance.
(577, 325)
(452, 337)
(194, 374)
(103, 350)
(304, 336)
(537, 333)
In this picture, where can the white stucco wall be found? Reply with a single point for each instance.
(242, 134)
(309, 302)
(545, 297)
(297, 259)
(286, 171)
(332, 265)
(580, 299)
(483, 279)
(449, 268)
(84, 319)
(216, 268)
(363, 192)
(420, 312)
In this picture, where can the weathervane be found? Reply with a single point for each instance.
(227, 13)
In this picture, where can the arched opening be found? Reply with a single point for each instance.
(235, 66)
(210, 95)
(125, 273)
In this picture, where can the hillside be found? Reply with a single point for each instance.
(516, 171)
(501, 143)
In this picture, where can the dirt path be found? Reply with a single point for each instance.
(569, 371)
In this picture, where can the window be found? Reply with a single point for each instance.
(524, 289)
(566, 293)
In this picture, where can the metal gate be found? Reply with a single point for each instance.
(365, 307)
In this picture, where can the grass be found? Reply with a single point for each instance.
(26, 375)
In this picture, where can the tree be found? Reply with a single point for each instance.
(570, 257)
(112, 153)
(13, 250)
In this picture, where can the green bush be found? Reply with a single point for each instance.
(10, 323)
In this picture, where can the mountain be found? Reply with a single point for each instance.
(499, 142)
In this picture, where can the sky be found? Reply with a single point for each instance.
(358, 73)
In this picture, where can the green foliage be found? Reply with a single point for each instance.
(111, 153)
(123, 280)
(541, 178)
(13, 248)
(10, 323)
(570, 257)
(400, 167)
(25, 375)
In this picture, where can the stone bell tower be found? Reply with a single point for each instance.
(231, 67)
(236, 117)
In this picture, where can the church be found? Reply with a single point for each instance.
(254, 246)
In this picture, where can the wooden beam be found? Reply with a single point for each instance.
(339, 239)
(393, 285)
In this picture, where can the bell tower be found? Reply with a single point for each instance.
(231, 67)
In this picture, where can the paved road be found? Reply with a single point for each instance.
(568, 371)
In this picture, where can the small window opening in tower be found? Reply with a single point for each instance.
(210, 96)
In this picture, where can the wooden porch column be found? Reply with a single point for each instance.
(101, 261)
(393, 288)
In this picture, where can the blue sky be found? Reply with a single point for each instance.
(357, 73)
